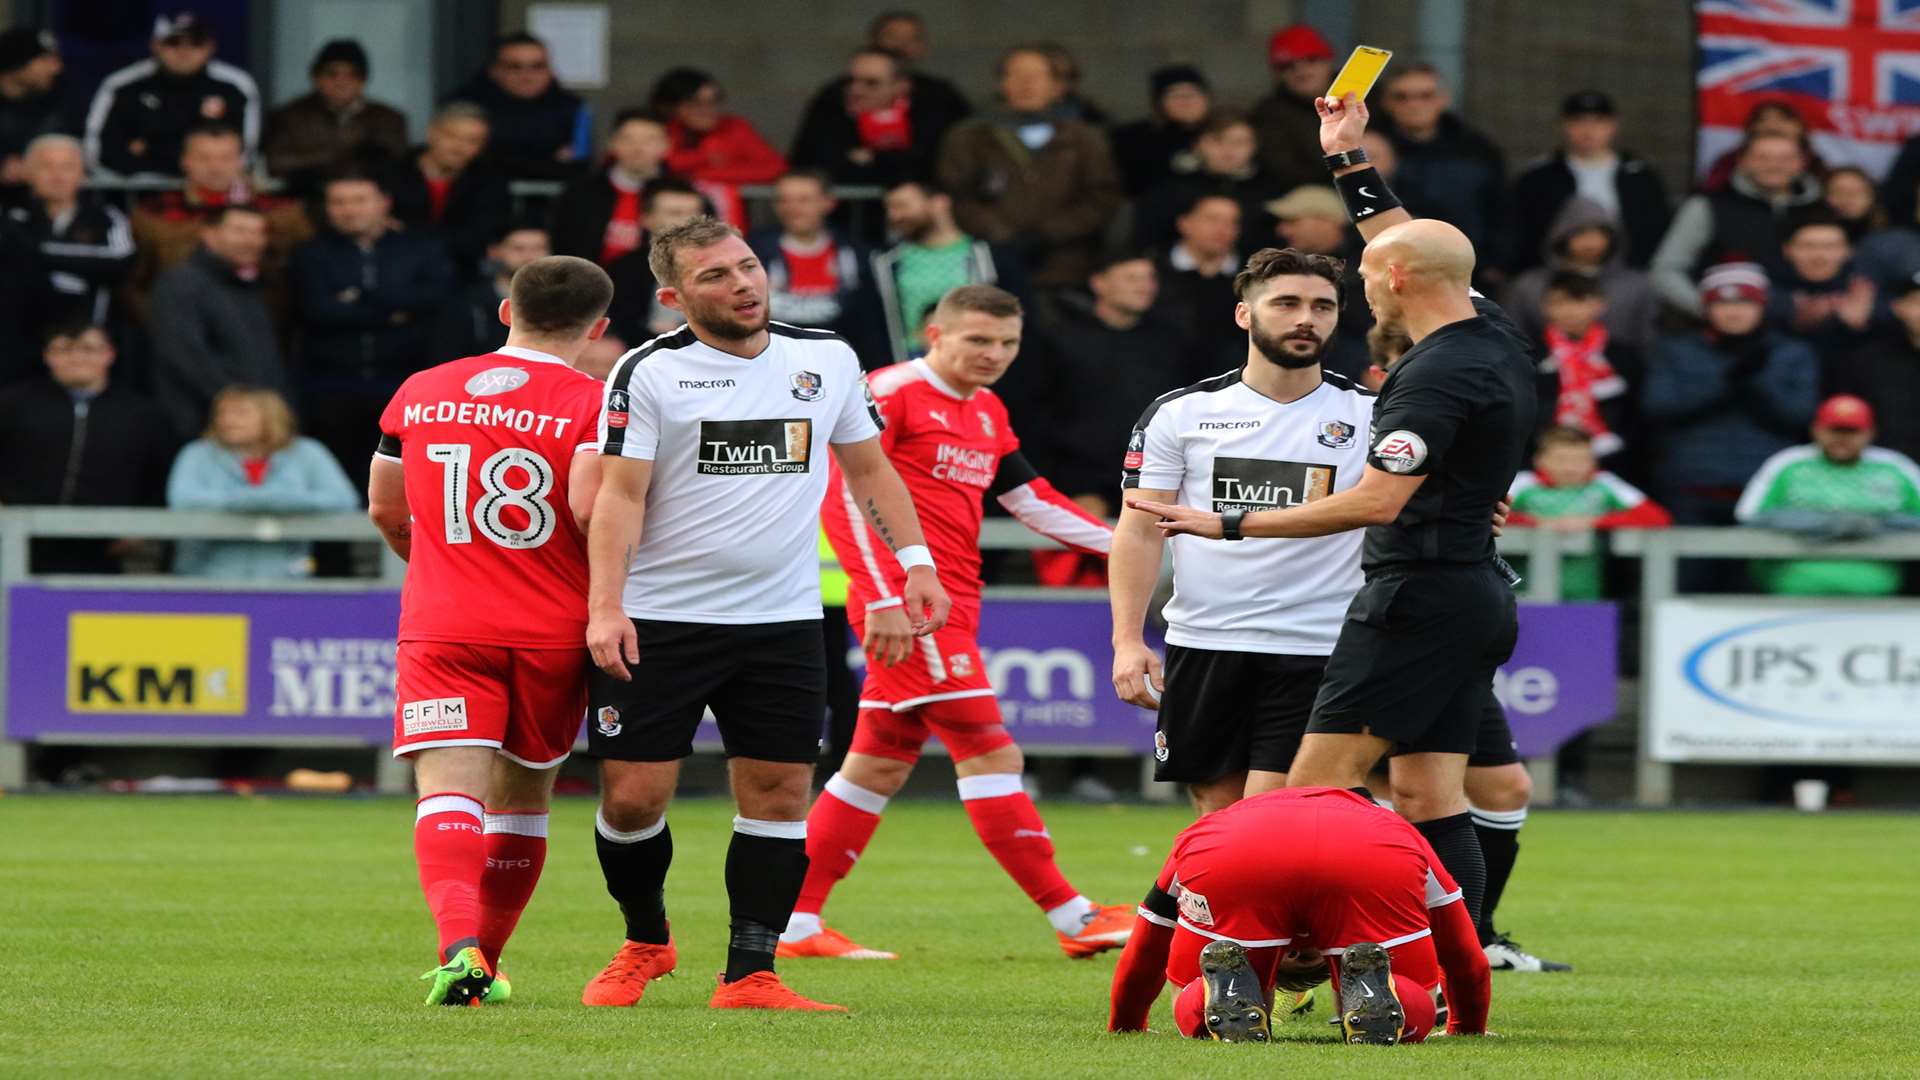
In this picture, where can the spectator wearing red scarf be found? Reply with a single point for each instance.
(1586, 375)
(717, 150)
(869, 127)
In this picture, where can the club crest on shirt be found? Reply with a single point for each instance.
(1335, 434)
(607, 721)
(806, 385)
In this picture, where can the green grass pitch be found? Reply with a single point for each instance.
(281, 937)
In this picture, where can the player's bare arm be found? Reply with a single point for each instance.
(387, 505)
(613, 534)
(1132, 571)
(882, 496)
(583, 486)
(1376, 500)
(1341, 125)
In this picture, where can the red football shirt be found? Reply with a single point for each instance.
(487, 444)
(947, 449)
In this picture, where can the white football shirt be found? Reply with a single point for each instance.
(1224, 446)
(739, 470)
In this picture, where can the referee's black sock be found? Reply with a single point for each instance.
(1453, 839)
(1499, 832)
(766, 865)
(635, 865)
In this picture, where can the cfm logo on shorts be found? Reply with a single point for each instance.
(120, 662)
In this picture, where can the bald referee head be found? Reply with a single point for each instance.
(1418, 274)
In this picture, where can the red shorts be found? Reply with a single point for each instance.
(526, 703)
(967, 727)
(945, 666)
(1325, 893)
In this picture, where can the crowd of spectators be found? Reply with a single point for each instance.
(295, 262)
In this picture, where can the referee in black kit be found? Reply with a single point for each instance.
(1413, 667)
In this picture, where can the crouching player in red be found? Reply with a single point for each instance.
(1275, 884)
(948, 436)
(483, 480)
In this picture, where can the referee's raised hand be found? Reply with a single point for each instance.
(1178, 520)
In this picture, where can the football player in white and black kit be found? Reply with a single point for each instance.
(705, 593)
(1250, 625)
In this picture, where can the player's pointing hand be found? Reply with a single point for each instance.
(927, 603)
(1176, 520)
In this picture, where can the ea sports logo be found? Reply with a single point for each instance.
(1400, 451)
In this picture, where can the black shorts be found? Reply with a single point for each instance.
(1228, 712)
(766, 685)
(1494, 746)
(1416, 658)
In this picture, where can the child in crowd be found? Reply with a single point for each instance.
(1567, 491)
(1585, 375)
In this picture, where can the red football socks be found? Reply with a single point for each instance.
(516, 849)
(1008, 824)
(451, 849)
(839, 827)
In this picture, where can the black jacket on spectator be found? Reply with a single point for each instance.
(1154, 214)
(477, 204)
(828, 134)
(468, 324)
(1898, 190)
(633, 286)
(524, 134)
(1150, 151)
(1288, 130)
(1202, 308)
(1457, 176)
(1885, 371)
(112, 449)
(577, 219)
(24, 301)
(1541, 191)
(143, 102)
(1078, 388)
(854, 313)
(364, 312)
(1831, 338)
(85, 256)
(210, 329)
(25, 119)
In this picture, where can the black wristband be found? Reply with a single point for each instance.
(1355, 156)
(1366, 193)
(1230, 524)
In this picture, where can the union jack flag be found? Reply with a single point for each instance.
(1851, 67)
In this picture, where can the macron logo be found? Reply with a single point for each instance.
(705, 384)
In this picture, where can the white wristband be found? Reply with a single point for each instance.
(914, 555)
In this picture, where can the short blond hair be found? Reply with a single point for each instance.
(275, 414)
(703, 231)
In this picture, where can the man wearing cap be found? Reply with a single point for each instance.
(1719, 401)
(1287, 126)
(1885, 371)
(1838, 487)
(1151, 150)
(140, 116)
(1587, 164)
(29, 101)
(335, 124)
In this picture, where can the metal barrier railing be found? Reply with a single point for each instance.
(1658, 552)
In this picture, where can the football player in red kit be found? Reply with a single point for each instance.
(948, 437)
(485, 473)
(1278, 884)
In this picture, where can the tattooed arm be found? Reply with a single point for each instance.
(613, 534)
(878, 490)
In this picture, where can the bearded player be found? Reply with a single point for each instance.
(1278, 888)
(486, 471)
(947, 435)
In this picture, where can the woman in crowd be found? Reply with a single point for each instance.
(251, 461)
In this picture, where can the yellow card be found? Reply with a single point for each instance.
(1360, 72)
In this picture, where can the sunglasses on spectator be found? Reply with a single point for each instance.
(1414, 95)
(870, 80)
(524, 65)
